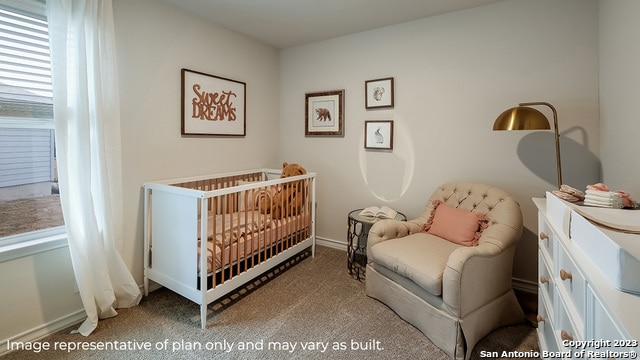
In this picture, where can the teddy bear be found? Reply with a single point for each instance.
(292, 170)
(288, 197)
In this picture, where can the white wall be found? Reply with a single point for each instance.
(154, 41)
(454, 74)
(619, 94)
(39, 296)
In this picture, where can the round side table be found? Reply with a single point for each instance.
(357, 233)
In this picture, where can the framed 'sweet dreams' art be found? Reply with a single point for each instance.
(212, 105)
(324, 113)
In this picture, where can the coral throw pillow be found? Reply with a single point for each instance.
(456, 225)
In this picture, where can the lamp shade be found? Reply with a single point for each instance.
(524, 117)
(521, 118)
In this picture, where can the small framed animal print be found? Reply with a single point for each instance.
(324, 113)
(378, 134)
(379, 93)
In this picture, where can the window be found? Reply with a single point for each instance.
(29, 202)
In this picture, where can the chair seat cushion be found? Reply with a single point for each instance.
(418, 257)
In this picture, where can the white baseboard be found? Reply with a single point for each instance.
(153, 286)
(44, 330)
(335, 244)
(527, 286)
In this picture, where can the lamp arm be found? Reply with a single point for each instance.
(557, 133)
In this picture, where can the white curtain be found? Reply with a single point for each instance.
(87, 126)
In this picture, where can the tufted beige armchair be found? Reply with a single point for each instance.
(454, 294)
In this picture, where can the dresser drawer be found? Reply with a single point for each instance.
(546, 287)
(546, 237)
(546, 333)
(568, 278)
(603, 327)
(565, 330)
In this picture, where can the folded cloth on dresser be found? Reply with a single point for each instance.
(569, 193)
(603, 195)
(600, 198)
(572, 191)
(627, 201)
(564, 196)
(599, 195)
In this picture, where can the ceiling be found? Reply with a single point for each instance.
(287, 23)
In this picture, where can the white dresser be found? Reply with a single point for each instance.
(582, 315)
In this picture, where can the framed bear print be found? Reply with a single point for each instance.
(324, 113)
(379, 93)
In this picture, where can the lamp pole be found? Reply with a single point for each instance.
(557, 135)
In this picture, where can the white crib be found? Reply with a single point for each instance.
(244, 239)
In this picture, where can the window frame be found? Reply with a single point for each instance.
(32, 242)
(20, 245)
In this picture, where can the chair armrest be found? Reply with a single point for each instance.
(391, 229)
(477, 275)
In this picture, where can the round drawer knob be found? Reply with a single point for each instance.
(539, 318)
(544, 279)
(543, 236)
(565, 275)
(564, 335)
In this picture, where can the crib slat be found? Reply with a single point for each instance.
(238, 232)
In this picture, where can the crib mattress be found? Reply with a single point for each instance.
(245, 236)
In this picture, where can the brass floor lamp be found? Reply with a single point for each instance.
(524, 117)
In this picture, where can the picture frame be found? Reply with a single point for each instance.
(378, 134)
(324, 113)
(212, 105)
(379, 93)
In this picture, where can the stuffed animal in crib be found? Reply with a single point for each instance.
(289, 197)
(292, 170)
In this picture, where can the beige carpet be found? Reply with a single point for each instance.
(314, 303)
